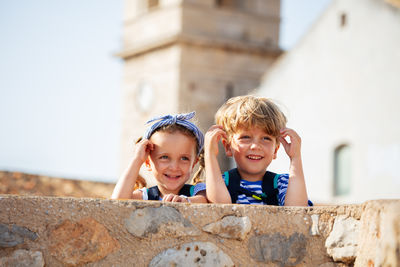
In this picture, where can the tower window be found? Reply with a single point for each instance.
(152, 3)
(343, 20)
(228, 3)
(342, 170)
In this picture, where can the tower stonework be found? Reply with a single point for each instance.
(185, 55)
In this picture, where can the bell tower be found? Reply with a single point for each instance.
(185, 55)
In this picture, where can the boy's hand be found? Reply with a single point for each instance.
(175, 198)
(212, 137)
(142, 150)
(293, 148)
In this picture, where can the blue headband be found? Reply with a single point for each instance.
(181, 119)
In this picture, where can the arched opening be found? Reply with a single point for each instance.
(342, 171)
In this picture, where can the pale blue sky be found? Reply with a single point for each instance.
(60, 85)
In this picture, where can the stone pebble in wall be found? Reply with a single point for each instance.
(230, 227)
(11, 236)
(22, 257)
(163, 221)
(77, 243)
(342, 242)
(278, 249)
(204, 254)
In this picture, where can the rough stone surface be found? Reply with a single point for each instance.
(278, 249)
(279, 236)
(163, 220)
(23, 258)
(230, 227)
(342, 242)
(314, 230)
(14, 235)
(379, 243)
(204, 254)
(82, 242)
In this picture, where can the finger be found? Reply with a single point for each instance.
(284, 143)
(176, 199)
(167, 198)
(149, 146)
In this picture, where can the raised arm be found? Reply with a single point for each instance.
(123, 188)
(217, 191)
(296, 194)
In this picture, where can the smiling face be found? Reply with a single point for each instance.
(172, 160)
(253, 150)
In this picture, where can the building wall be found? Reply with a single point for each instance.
(340, 85)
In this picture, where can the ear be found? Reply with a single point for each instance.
(227, 146)
(195, 162)
(147, 164)
(276, 150)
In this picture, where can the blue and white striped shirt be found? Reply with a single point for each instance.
(256, 187)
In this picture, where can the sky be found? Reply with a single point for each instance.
(60, 83)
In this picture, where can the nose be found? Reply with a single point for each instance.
(174, 165)
(255, 145)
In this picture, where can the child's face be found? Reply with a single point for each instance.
(253, 150)
(172, 160)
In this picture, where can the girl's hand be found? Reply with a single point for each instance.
(212, 137)
(293, 148)
(142, 150)
(175, 198)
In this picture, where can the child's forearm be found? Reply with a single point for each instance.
(217, 191)
(199, 198)
(126, 183)
(296, 194)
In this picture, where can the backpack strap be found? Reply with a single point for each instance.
(153, 193)
(187, 190)
(269, 187)
(232, 181)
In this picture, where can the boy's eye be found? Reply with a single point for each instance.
(163, 157)
(267, 138)
(244, 137)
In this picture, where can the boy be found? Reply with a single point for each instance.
(251, 129)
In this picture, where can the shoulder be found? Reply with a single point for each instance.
(198, 188)
(282, 179)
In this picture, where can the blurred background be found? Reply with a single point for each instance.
(79, 79)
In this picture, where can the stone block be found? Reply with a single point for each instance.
(82, 242)
(230, 227)
(205, 254)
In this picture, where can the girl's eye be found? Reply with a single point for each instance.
(185, 158)
(244, 137)
(164, 157)
(267, 138)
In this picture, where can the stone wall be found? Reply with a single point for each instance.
(52, 231)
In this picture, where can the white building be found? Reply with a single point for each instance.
(340, 89)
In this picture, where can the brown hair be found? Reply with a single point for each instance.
(250, 111)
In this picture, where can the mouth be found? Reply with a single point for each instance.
(254, 157)
(172, 176)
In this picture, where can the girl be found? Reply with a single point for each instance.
(170, 149)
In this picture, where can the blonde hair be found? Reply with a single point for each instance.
(250, 111)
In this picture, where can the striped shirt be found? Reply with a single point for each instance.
(256, 187)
